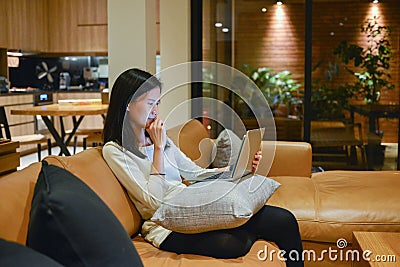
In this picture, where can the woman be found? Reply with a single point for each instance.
(150, 167)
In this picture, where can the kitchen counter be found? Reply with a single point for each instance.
(54, 92)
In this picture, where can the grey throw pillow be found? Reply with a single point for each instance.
(215, 205)
(227, 146)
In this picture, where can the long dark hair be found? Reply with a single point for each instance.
(129, 85)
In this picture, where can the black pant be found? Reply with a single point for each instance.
(270, 223)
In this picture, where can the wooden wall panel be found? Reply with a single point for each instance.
(3, 25)
(208, 31)
(4, 63)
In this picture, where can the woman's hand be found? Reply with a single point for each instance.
(223, 169)
(256, 161)
(157, 132)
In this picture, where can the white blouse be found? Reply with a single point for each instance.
(149, 191)
(171, 172)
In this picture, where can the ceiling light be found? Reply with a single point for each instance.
(14, 54)
(20, 53)
(375, 1)
(218, 24)
(225, 30)
(279, 3)
(264, 9)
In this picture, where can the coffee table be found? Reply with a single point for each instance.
(384, 248)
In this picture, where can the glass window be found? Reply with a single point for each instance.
(266, 41)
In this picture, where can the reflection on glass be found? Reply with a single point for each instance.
(266, 36)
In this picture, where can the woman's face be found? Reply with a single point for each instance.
(144, 109)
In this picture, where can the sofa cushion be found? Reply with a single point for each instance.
(193, 139)
(72, 225)
(15, 255)
(333, 204)
(215, 205)
(283, 158)
(90, 167)
(296, 194)
(348, 201)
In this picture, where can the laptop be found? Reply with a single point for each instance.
(251, 143)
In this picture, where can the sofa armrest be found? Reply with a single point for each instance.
(290, 159)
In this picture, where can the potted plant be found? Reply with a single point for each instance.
(374, 60)
(329, 100)
(279, 89)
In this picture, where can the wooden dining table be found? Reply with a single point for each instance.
(77, 112)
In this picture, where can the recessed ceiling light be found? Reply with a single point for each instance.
(375, 1)
(218, 24)
(264, 9)
(279, 3)
(225, 30)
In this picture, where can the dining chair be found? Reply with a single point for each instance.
(93, 139)
(85, 133)
(89, 135)
(29, 139)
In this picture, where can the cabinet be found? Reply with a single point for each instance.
(55, 26)
(92, 12)
(24, 25)
(78, 26)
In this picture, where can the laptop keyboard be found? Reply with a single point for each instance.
(220, 175)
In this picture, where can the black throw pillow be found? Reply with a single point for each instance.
(72, 225)
(16, 255)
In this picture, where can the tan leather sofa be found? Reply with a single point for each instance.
(328, 205)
